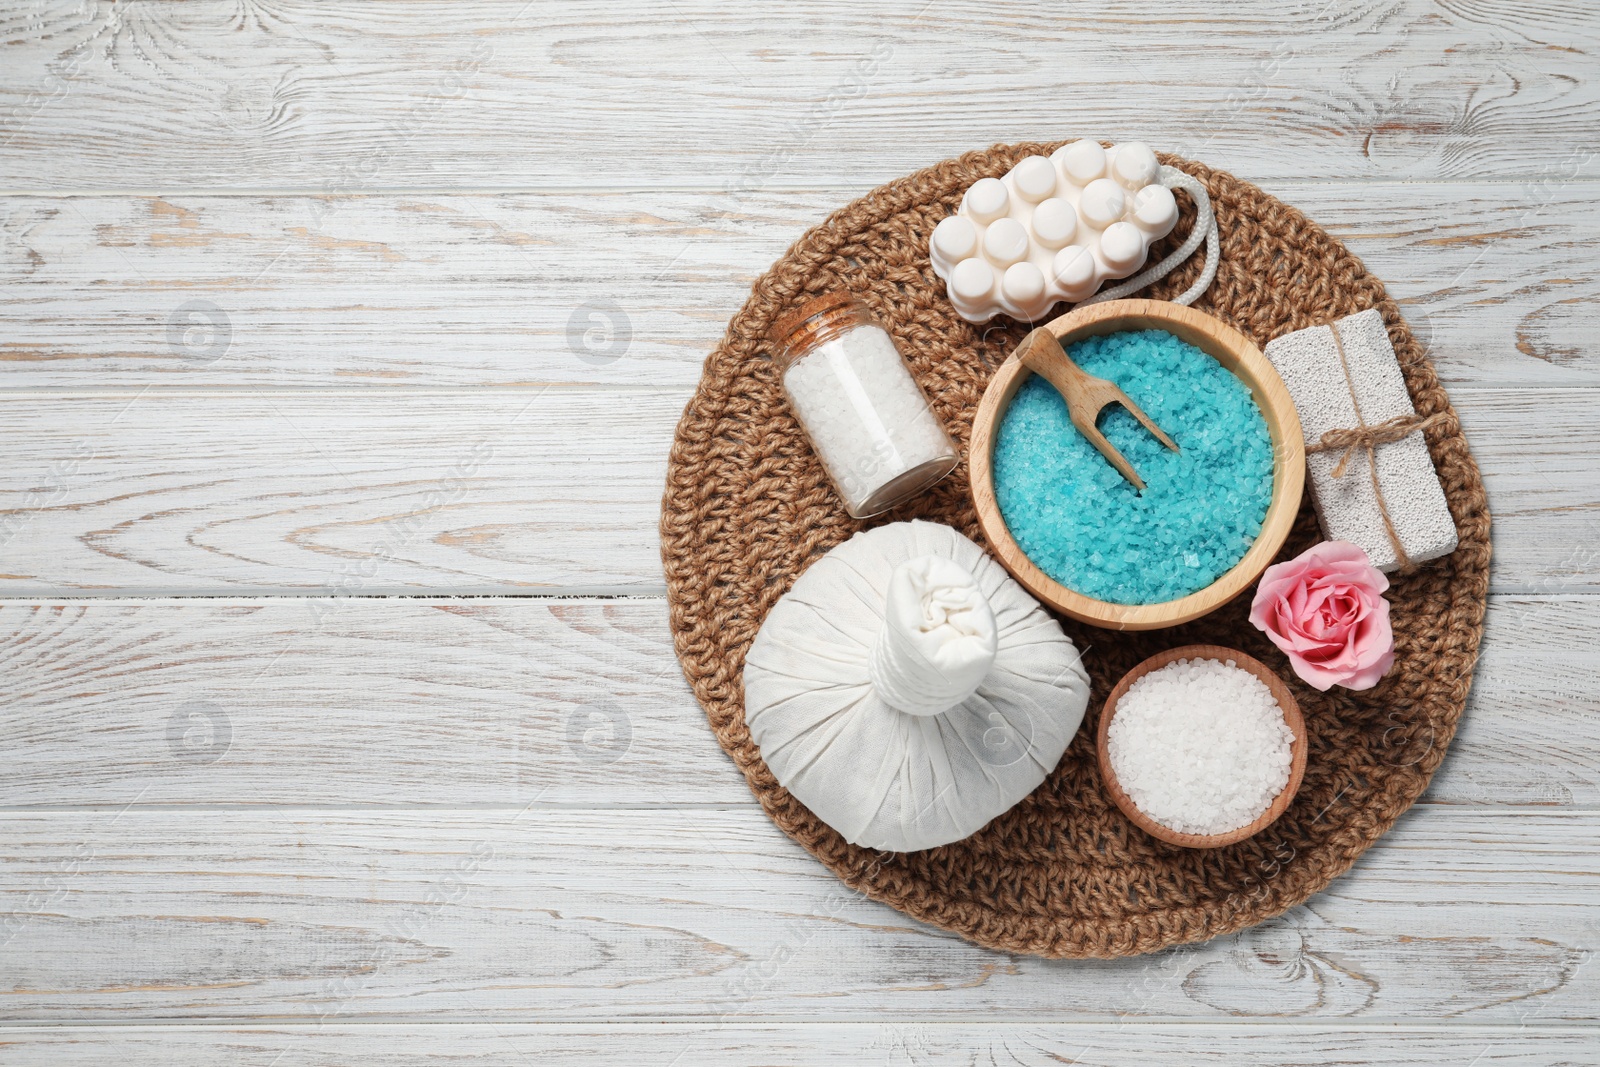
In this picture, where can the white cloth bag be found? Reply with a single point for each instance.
(908, 691)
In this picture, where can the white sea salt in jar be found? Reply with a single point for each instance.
(863, 412)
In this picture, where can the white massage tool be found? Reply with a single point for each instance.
(1055, 228)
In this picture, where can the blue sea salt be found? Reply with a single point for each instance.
(1085, 525)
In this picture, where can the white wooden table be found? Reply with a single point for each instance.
(340, 718)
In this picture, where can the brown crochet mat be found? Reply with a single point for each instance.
(748, 508)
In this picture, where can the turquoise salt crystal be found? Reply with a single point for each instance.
(1085, 525)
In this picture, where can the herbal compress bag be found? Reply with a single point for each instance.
(908, 691)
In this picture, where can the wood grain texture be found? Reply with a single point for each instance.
(498, 92)
(548, 490)
(905, 1042)
(225, 370)
(635, 287)
(542, 491)
(416, 702)
(566, 916)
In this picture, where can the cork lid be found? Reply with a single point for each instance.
(791, 320)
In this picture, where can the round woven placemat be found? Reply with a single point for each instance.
(748, 508)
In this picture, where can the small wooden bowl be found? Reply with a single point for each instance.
(1291, 715)
(1228, 347)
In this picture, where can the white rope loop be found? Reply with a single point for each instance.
(1205, 229)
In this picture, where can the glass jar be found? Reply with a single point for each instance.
(864, 413)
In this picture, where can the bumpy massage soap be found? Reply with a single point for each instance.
(1053, 228)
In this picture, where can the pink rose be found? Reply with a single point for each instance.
(1325, 609)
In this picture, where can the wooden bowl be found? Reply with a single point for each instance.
(1291, 715)
(1228, 347)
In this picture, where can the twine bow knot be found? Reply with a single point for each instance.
(1366, 438)
(1370, 437)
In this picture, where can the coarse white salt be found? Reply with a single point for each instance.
(866, 417)
(1200, 746)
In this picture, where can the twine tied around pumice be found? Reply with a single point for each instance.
(1368, 438)
(1395, 429)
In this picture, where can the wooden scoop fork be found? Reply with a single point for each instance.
(1086, 397)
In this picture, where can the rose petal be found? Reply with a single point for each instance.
(1367, 677)
(1325, 610)
(1294, 637)
(1313, 675)
(1330, 553)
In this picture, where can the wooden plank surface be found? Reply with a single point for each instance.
(495, 93)
(902, 1043)
(712, 914)
(340, 303)
(548, 490)
(542, 490)
(635, 287)
(446, 702)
